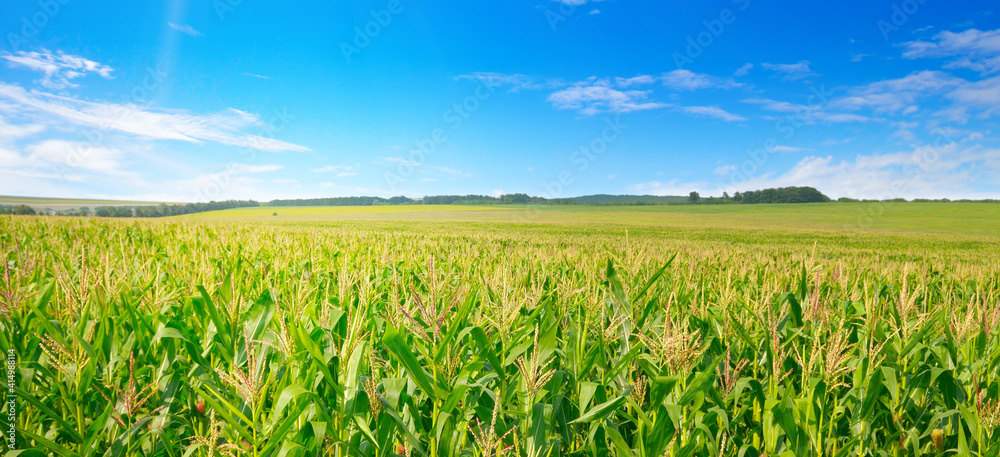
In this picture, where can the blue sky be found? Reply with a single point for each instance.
(223, 99)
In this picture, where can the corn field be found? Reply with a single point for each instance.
(155, 338)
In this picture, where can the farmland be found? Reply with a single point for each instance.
(825, 330)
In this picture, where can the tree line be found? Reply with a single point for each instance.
(772, 195)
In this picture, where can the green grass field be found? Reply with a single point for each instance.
(932, 218)
(733, 331)
(323, 211)
(7, 199)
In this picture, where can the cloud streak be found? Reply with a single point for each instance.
(185, 29)
(59, 68)
(223, 128)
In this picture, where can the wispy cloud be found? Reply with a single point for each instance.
(255, 76)
(185, 29)
(517, 81)
(688, 80)
(245, 168)
(10, 132)
(974, 49)
(806, 114)
(713, 112)
(791, 71)
(789, 149)
(59, 68)
(597, 95)
(952, 173)
(895, 95)
(64, 160)
(342, 171)
(451, 171)
(635, 81)
(742, 71)
(226, 127)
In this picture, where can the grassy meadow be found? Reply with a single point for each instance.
(737, 330)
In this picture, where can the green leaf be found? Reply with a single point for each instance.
(602, 410)
(400, 351)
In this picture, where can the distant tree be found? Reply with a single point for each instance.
(725, 195)
(784, 195)
(693, 197)
(400, 200)
(24, 210)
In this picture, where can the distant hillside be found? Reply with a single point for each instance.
(627, 199)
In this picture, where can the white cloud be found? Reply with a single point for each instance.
(58, 68)
(223, 128)
(344, 171)
(805, 114)
(452, 171)
(77, 155)
(791, 71)
(980, 93)
(244, 168)
(975, 49)
(10, 132)
(713, 111)
(635, 81)
(672, 187)
(340, 168)
(742, 71)
(904, 130)
(516, 81)
(594, 11)
(255, 76)
(690, 81)
(944, 171)
(186, 29)
(895, 95)
(778, 106)
(597, 95)
(61, 160)
(724, 170)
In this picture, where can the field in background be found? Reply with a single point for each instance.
(322, 211)
(736, 331)
(936, 218)
(63, 204)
